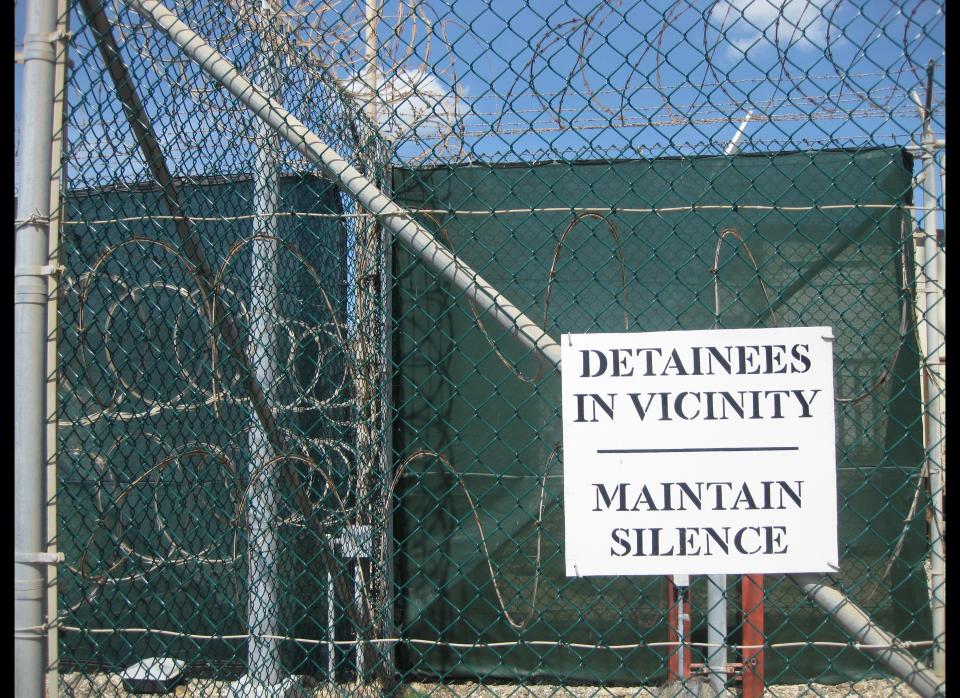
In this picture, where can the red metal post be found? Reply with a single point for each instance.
(753, 634)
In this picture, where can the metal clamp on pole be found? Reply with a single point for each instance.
(35, 220)
(50, 37)
(32, 270)
(39, 558)
(30, 288)
(39, 46)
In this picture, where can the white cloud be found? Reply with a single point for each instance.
(412, 104)
(749, 26)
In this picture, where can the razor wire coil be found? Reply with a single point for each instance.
(400, 451)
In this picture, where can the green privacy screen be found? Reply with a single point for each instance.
(758, 240)
(154, 451)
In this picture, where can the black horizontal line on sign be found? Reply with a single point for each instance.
(698, 450)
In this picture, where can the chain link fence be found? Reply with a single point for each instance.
(305, 446)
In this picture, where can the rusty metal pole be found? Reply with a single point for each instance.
(751, 603)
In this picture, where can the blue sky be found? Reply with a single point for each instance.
(503, 80)
(613, 74)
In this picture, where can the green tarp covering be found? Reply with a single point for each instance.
(808, 238)
(154, 457)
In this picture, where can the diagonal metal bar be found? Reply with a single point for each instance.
(858, 624)
(400, 222)
(368, 195)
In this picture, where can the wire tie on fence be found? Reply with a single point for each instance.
(36, 219)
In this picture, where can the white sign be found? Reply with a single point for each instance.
(705, 452)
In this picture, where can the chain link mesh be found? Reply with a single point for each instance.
(291, 454)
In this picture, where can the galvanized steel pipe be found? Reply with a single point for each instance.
(394, 218)
(875, 642)
(263, 608)
(717, 631)
(30, 281)
(930, 261)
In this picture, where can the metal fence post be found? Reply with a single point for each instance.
(717, 631)
(935, 356)
(931, 281)
(31, 272)
(943, 192)
(263, 650)
(57, 215)
(717, 583)
(366, 346)
(678, 627)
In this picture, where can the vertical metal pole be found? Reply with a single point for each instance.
(934, 359)
(942, 264)
(368, 275)
(717, 631)
(56, 222)
(678, 616)
(929, 284)
(358, 603)
(331, 630)
(366, 271)
(388, 628)
(389, 589)
(263, 654)
(386, 625)
(371, 69)
(717, 583)
(31, 271)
